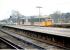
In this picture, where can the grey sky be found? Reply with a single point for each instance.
(28, 7)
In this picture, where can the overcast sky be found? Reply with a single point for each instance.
(28, 7)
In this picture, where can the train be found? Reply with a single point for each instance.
(39, 21)
(44, 22)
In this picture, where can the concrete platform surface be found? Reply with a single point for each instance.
(48, 30)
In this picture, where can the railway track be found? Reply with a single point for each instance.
(10, 44)
(33, 36)
(19, 43)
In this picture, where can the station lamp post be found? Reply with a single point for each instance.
(39, 7)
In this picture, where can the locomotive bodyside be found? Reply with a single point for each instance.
(47, 23)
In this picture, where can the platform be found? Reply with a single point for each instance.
(47, 30)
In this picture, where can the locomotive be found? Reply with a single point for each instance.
(39, 21)
(43, 21)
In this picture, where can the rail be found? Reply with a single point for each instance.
(10, 43)
(26, 42)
